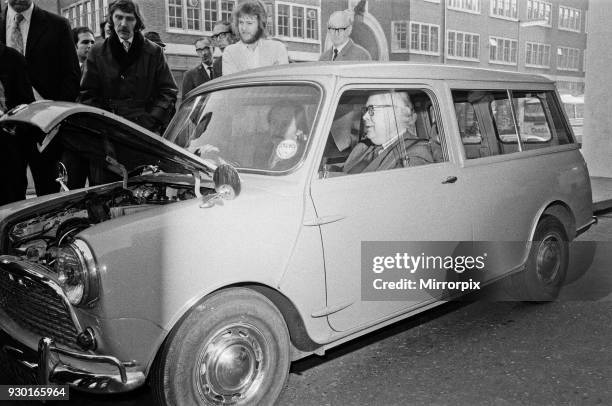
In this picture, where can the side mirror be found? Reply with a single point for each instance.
(62, 176)
(227, 182)
(227, 186)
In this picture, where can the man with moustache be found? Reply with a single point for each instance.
(127, 74)
(253, 50)
(204, 71)
(45, 40)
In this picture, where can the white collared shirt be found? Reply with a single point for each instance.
(266, 52)
(24, 26)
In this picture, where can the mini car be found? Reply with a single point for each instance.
(258, 230)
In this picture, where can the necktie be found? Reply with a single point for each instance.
(211, 72)
(335, 54)
(126, 45)
(16, 36)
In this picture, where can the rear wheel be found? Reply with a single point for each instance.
(547, 264)
(232, 349)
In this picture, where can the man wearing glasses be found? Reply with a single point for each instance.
(222, 36)
(339, 27)
(389, 125)
(205, 71)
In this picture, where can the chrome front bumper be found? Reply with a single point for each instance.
(85, 372)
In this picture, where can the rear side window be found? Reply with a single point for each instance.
(491, 121)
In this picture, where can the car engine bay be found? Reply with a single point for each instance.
(37, 238)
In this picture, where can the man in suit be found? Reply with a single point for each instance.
(340, 26)
(84, 39)
(15, 89)
(46, 41)
(204, 71)
(222, 37)
(392, 141)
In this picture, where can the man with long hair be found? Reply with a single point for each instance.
(254, 49)
(127, 74)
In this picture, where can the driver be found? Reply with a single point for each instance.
(389, 125)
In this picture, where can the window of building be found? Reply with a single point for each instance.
(575, 88)
(424, 38)
(502, 50)
(198, 15)
(399, 36)
(297, 22)
(504, 9)
(471, 6)
(463, 45)
(568, 58)
(88, 13)
(539, 10)
(569, 18)
(537, 55)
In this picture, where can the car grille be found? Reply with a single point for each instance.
(38, 308)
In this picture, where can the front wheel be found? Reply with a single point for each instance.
(547, 264)
(232, 349)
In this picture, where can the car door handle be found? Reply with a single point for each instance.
(450, 179)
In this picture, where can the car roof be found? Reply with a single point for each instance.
(387, 70)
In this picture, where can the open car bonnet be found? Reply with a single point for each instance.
(101, 136)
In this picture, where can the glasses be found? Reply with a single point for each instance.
(220, 35)
(202, 49)
(337, 30)
(371, 107)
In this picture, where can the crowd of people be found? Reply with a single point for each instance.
(125, 72)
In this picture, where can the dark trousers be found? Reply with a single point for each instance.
(13, 180)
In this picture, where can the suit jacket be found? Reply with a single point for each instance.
(366, 157)
(196, 76)
(350, 52)
(53, 66)
(218, 66)
(14, 82)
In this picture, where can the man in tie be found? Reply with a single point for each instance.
(84, 39)
(222, 37)
(45, 40)
(204, 71)
(127, 74)
(339, 27)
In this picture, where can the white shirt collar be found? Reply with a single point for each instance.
(257, 45)
(27, 14)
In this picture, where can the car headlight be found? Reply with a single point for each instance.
(77, 273)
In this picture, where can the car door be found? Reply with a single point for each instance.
(406, 205)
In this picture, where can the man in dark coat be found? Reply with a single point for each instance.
(46, 41)
(15, 89)
(127, 74)
(204, 71)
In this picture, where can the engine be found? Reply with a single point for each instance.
(38, 238)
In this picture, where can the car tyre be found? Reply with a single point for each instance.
(547, 263)
(231, 349)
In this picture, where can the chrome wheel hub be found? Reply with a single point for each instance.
(230, 365)
(548, 259)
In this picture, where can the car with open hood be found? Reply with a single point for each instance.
(285, 211)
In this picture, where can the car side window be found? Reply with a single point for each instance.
(376, 130)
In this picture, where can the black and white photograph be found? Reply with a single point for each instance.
(305, 202)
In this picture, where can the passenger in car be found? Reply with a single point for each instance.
(288, 128)
(389, 125)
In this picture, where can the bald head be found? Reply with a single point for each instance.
(339, 27)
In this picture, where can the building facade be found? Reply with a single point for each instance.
(546, 37)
